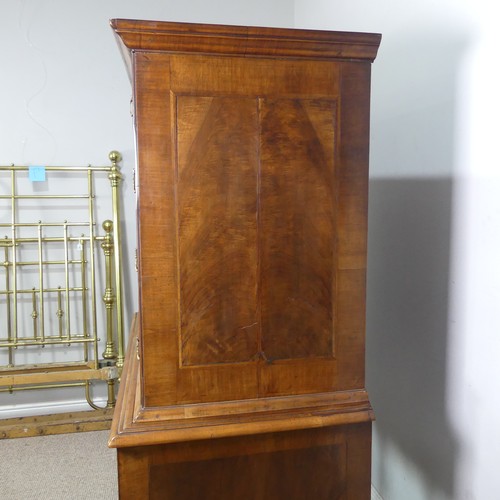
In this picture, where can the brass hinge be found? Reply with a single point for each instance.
(138, 348)
(136, 262)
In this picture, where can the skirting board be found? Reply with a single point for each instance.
(31, 410)
(375, 495)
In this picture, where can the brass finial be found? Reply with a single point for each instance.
(107, 225)
(114, 174)
(115, 157)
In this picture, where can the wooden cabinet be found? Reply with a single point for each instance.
(245, 375)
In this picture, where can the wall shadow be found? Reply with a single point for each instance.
(407, 322)
(413, 164)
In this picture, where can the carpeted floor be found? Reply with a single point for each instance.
(76, 466)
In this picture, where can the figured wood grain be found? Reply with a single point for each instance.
(217, 144)
(297, 227)
(240, 76)
(229, 477)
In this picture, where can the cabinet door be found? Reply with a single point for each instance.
(252, 226)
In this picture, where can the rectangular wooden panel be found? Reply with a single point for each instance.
(315, 472)
(325, 464)
(217, 147)
(297, 217)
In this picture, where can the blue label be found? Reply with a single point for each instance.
(37, 174)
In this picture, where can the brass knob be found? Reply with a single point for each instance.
(115, 157)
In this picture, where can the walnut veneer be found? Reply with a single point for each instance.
(245, 375)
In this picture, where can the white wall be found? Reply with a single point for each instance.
(434, 243)
(64, 100)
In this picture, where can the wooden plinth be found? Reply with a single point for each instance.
(60, 423)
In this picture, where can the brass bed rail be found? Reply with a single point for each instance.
(51, 274)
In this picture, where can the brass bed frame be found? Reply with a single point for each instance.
(50, 272)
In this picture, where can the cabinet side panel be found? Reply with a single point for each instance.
(298, 227)
(217, 141)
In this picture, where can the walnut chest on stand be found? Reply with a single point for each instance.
(245, 372)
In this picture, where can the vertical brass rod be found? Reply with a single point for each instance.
(14, 255)
(8, 304)
(92, 266)
(83, 267)
(40, 284)
(115, 177)
(66, 281)
(59, 312)
(111, 394)
(34, 314)
(109, 296)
